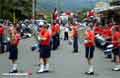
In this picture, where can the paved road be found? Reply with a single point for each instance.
(64, 64)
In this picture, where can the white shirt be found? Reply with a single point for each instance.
(66, 29)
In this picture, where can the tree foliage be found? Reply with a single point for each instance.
(115, 3)
(21, 8)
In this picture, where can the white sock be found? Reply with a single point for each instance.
(41, 67)
(47, 67)
(91, 68)
(14, 66)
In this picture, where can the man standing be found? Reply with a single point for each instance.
(89, 49)
(44, 49)
(1, 39)
(13, 49)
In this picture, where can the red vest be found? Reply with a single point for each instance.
(45, 34)
(57, 26)
(90, 36)
(1, 31)
(17, 39)
(115, 39)
(75, 31)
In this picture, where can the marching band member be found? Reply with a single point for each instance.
(116, 50)
(107, 34)
(74, 34)
(89, 48)
(44, 49)
(1, 39)
(13, 49)
(54, 36)
(57, 26)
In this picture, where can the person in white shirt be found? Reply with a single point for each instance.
(66, 37)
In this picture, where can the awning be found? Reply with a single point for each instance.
(112, 8)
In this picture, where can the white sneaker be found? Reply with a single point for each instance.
(46, 67)
(90, 71)
(117, 68)
(41, 69)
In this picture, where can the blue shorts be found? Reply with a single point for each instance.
(89, 52)
(45, 51)
(116, 51)
(13, 52)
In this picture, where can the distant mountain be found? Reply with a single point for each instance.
(66, 4)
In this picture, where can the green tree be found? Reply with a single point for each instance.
(21, 8)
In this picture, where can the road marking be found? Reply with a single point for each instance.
(15, 74)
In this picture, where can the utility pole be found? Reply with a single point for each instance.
(33, 11)
(14, 17)
(61, 4)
